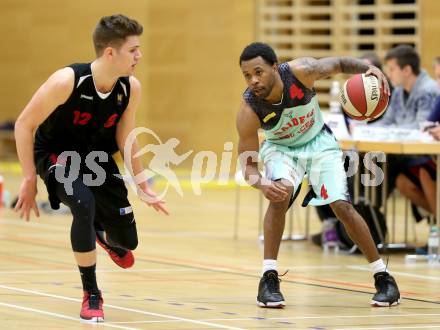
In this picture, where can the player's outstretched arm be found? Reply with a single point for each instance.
(309, 69)
(248, 146)
(125, 126)
(55, 91)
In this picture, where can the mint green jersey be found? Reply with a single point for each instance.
(297, 125)
(296, 120)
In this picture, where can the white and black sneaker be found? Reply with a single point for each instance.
(387, 293)
(269, 294)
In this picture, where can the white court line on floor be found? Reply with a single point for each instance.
(208, 322)
(75, 271)
(181, 319)
(423, 277)
(425, 326)
(290, 318)
(181, 269)
(298, 267)
(62, 316)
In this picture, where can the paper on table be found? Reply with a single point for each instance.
(336, 122)
(389, 134)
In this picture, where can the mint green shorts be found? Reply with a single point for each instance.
(321, 159)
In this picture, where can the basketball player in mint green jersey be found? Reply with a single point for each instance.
(280, 100)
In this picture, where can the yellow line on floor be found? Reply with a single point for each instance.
(183, 174)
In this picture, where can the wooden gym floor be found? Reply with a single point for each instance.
(190, 273)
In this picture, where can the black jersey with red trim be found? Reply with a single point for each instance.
(87, 120)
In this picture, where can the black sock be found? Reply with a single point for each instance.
(88, 278)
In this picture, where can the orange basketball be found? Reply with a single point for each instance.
(362, 98)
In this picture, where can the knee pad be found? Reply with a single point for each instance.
(83, 235)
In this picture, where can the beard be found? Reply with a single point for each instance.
(268, 89)
(265, 91)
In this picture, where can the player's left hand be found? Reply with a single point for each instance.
(26, 198)
(383, 81)
(150, 198)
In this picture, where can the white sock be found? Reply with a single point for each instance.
(377, 266)
(269, 264)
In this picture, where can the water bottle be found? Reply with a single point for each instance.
(433, 244)
(335, 105)
(330, 239)
(6, 198)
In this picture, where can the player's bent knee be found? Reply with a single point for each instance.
(84, 206)
(81, 240)
(279, 207)
(342, 209)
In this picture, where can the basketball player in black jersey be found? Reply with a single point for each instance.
(80, 109)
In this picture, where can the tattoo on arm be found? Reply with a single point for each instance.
(319, 68)
(329, 66)
(352, 65)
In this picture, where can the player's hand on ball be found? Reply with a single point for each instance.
(383, 81)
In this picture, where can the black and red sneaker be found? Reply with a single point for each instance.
(124, 258)
(91, 310)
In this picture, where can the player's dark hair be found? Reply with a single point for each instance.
(111, 31)
(405, 55)
(256, 49)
